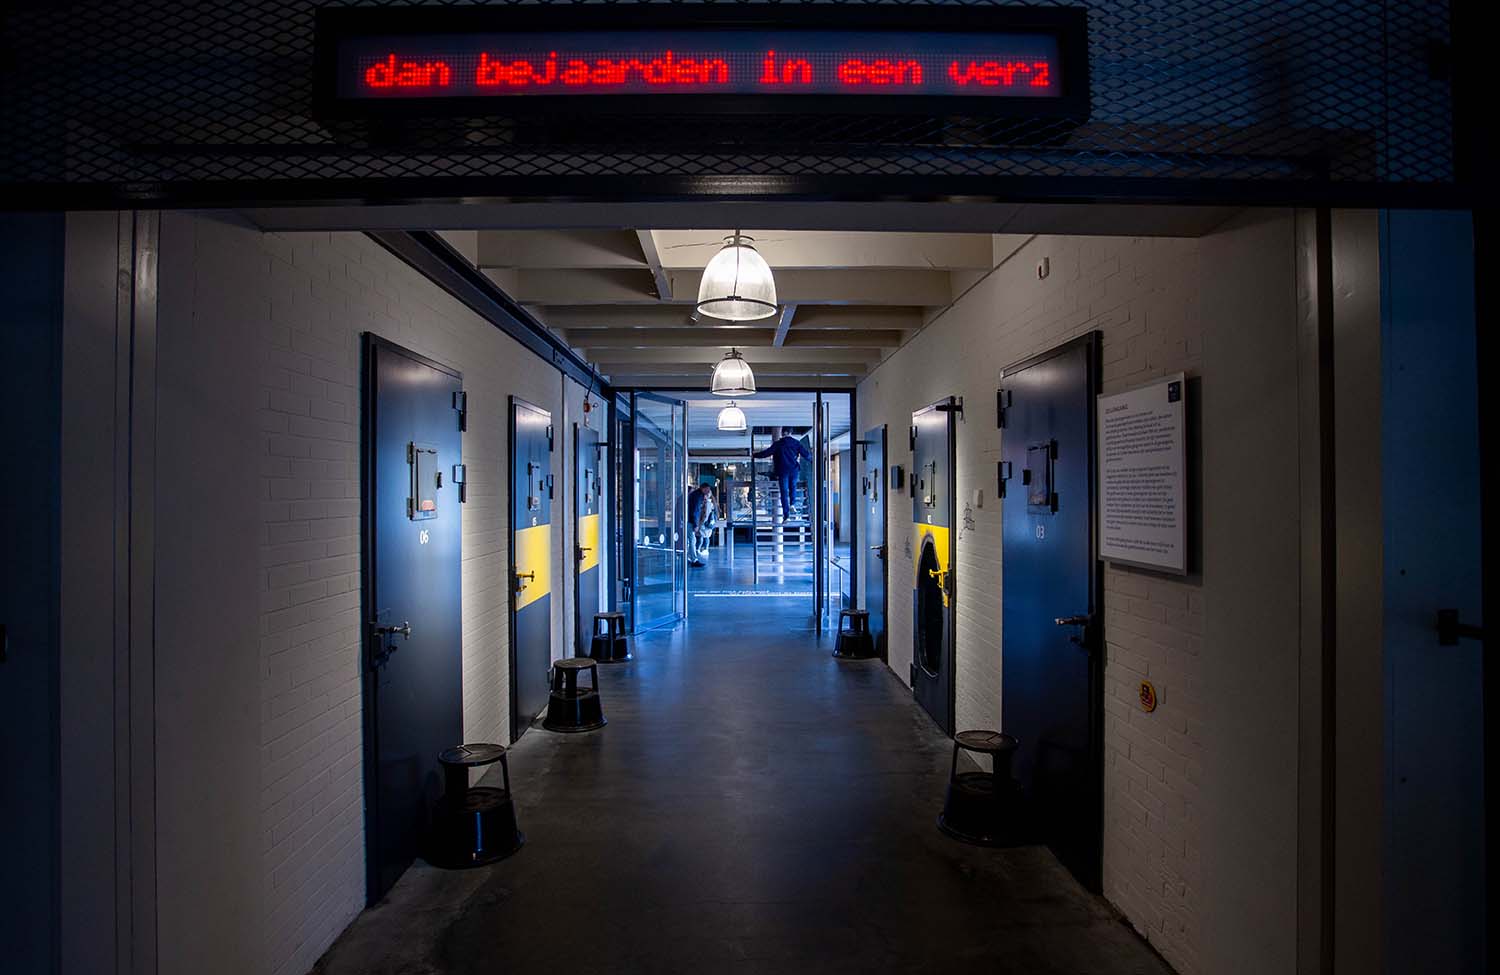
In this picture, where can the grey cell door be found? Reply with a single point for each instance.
(932, 505)
(1052, 665)
(413, 666)
(531, 495)
(872, 502)
(588, 548)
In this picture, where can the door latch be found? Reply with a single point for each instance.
(1450, 630)
(1084, 640)
(382, 642)
(528, 576)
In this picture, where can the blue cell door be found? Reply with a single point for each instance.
(932, 504)
(531, 496)
(588, 546)
(872, 501)
(1051, 648)
(413, 665)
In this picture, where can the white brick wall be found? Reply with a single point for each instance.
(1142, 294)
(312, 295)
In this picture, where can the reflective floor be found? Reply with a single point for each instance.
(753, 806)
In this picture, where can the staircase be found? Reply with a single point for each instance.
(784, 551)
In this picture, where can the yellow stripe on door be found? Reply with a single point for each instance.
(939, 535)
(533, 554)
(588, 540)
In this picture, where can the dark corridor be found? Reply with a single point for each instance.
(753, 806)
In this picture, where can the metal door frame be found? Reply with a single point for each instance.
(1093, 342)
(885, 520)
(369, 699)
(516, 727)
(576, 495)
(952, 406)
(679, 475)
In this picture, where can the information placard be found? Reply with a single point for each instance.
(1143, 476)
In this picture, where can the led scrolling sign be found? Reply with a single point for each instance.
(999, 60)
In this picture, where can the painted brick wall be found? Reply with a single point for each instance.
(311, 296)
(1142, 294)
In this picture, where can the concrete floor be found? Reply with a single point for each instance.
(752, 806)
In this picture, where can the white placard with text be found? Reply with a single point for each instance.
(1142, 474)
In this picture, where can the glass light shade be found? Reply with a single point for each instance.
(732, 376)
(732, 419)
(737, 285)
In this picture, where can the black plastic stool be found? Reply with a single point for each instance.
(570, 707)
(612, 646)
(983, 807)
(473, 825)
(855, 643)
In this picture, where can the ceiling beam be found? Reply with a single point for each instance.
(622, 286)
(843, 286)
(646, 338)
(647, 240)
(789, 249)
(765, 369)
(575, 249)
(902, 317)
(784, 325)
(710, 355)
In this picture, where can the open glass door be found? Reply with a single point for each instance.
(659, 540)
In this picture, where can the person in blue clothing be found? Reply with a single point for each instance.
(786, 455)
(699, 506)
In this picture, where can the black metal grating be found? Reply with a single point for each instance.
(192, 101)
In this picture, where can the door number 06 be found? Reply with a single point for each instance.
(423, 537)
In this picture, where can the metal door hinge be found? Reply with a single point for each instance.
(461, 478)
(1002, 403)
(1003, 474)
(550, 444)
(913, 436)
(461, 407)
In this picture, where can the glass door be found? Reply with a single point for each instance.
(659, 456)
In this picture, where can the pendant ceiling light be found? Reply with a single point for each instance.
(732, 418)
(732, 376)
(737, 285)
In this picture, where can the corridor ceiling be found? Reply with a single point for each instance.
(624, 298)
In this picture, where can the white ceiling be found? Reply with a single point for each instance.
(624, 299)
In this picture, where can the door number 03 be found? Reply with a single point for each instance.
(423, 537)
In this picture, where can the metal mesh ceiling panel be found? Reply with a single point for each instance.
(162, 99)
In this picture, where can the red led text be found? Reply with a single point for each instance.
(391, 73)
(733, 71)
(666, 70)
(991, 74)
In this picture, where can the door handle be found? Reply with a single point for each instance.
(529, 576)
(582, 549)
(1084, 640)
(879, 551)
(381, 644)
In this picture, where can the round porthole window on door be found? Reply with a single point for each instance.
(929, 609)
